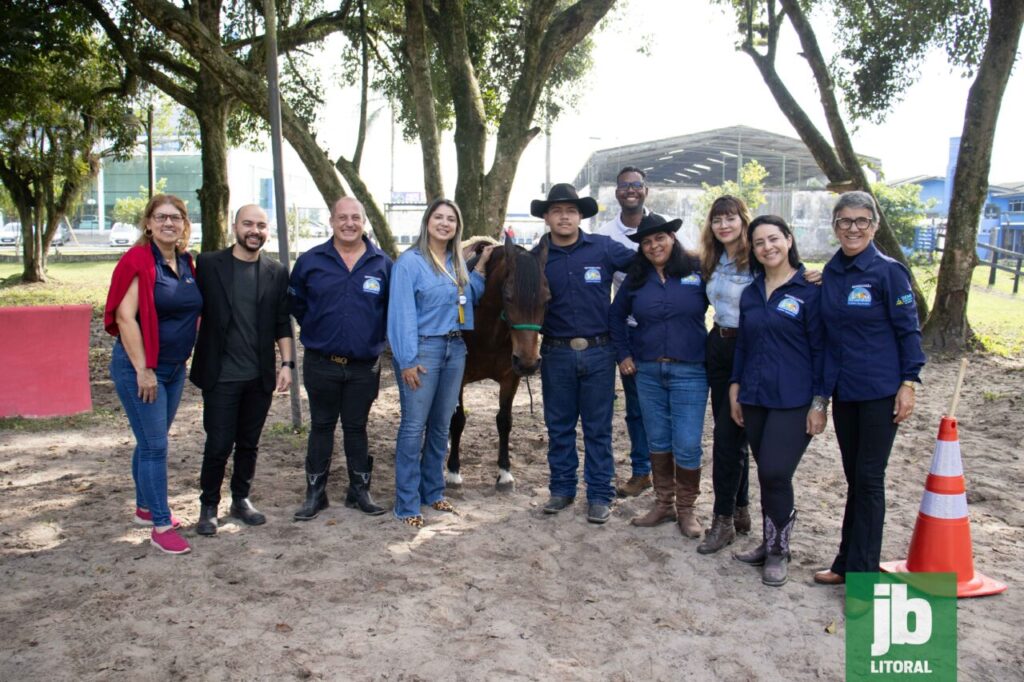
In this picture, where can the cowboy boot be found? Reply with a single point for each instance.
(663, 472)
(635, 485)
(755, 556)
(358, 495)
(316, 495)
(687, 490)
(776, 560)
(741, 520)
(720, 535)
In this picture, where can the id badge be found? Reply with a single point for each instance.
(462, 299)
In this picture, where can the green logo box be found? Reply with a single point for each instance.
(901, 626)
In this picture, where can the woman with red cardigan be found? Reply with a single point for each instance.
(152, 308)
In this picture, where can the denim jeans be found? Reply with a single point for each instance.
(673, 397)
(422, 441)
(578, 387)
(344, 392)
(639, 455)
(150, 423)
(233, 416)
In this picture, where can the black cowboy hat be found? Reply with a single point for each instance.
(563, 193)
(651, 224)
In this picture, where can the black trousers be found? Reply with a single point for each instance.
(730, 459)
(865, 432)
(778, 439)
(335, 392)
(233, 416)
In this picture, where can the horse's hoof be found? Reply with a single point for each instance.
(452, 479)
(505, 483)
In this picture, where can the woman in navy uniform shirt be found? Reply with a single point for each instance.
(664, 293)
(872, 368)
(776, 386)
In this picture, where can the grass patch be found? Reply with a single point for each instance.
(69, 284)
(99, 415)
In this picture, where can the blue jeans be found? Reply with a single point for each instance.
(422, 441)
(579, 386)
(150, 423)
(673, 397)
(639, 454)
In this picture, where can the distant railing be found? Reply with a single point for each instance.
(998, 256)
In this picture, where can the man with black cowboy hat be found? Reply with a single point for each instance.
(578, 372)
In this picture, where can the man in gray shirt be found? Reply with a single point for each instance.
(245, 312)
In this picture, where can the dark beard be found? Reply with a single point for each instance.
(241, 242)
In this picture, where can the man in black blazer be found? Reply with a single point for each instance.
(245, 311)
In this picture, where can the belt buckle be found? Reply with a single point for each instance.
(338, 359)
(578, 343)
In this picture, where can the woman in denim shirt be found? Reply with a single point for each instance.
(429, 306)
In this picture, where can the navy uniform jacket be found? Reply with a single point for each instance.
(874, 339)
(669, 317)
(580, 279)
(341, 312)
(780, 346)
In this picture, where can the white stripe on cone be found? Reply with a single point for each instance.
(946, 461)
(941, 506)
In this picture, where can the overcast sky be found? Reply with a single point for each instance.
(692, 79)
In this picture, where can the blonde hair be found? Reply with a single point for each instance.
(146, 237)
(453, 246)
(711, 248)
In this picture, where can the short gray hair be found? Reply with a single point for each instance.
(856, 199)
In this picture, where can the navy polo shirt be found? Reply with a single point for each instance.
(669, 319)
(780, 345)
(341, 312)
(178, 305)
(580, 280)
(874, 338)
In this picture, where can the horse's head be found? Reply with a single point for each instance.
(525, 296)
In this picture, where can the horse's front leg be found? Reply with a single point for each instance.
(509, 385)
(452, 477)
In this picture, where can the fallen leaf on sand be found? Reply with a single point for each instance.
(831, 628)
(283, 627)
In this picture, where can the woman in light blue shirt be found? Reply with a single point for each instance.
(430, 305)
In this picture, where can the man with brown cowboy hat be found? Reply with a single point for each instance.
(578, 372)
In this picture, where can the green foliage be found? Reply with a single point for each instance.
(750, 188)
(903, 209)
(130, 209)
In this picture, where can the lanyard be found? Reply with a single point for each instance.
(462, 298)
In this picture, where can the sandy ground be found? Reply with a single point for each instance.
(498, 592)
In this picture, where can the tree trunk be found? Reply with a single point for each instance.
(378, 221)
(423, 97)
(33, 262)
(215, 193)
(947, 327)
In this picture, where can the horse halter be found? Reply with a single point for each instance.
(520, 327)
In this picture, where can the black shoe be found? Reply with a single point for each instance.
(598, 512)
(557, 503)
(359, 497)
(242, 509)
(316, 498)
(207, 519)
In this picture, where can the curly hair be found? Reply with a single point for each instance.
(711, 248)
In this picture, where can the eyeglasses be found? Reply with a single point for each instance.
(624, 186)
(164, 217)
(847, 224)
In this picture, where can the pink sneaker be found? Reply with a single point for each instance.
(169, 541)
(144, 517)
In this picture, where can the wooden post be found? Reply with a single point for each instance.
(1016, 277)
(992, 273)
(956, 391)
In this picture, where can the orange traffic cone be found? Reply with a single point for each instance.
(942, 536)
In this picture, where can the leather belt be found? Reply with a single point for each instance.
(343, 359)
(577, 342)
(725, 332)
(667, 360)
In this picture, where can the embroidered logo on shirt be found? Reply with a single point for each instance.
(860, 295)
(592, 274)
(789, 306)
(905, 299)
(188, 280)
(693, 280)
(371, 285)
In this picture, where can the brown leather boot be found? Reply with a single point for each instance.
(720, 535)
(634, 486)
(663, 471)
(741, 520)
(687, 490)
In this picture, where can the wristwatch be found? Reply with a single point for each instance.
(912, 385)
(290, 364)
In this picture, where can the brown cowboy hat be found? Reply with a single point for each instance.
(651, 224)
(564, 193)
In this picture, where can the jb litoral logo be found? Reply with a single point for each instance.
(901, 626)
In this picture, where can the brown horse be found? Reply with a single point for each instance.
(505, 344)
